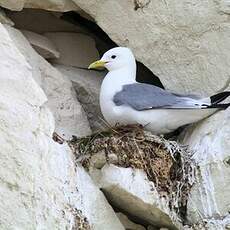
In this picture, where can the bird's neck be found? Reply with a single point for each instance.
(115, 79)
(122, 76)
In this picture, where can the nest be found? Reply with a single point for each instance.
(166, 163)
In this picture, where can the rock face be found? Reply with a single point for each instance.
(57, 5)
(129, 224)
(130, 191)
(185, 43)
(72, 46)
(210, 141)
(40, 21)
(94, 205)
(69, 115)
(42, 45)
(40, 183)
(27, 149)
(87, 86)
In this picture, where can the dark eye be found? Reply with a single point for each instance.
(113, 56)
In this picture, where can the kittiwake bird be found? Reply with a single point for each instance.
(124, 101)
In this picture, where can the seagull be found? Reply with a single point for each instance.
(124, 101)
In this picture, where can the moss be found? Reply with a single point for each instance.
(166, 163)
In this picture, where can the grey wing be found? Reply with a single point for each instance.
(142, 96)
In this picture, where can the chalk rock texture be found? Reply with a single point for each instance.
(42, 45)
(185, 43)
(41, 21)
(94, 205)
(130, 191)
(40, 185)
(54, 5)
(128, 224)
(210, 141)
(31, 188)
(69, 115)
(87, 86)
(76, 49)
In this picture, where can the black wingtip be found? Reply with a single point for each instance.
(217, 98)
(218, 106)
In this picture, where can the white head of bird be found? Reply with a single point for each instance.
(116, 59)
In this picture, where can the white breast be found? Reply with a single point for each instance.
(113, 83)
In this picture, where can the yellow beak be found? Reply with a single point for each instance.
(97, 65)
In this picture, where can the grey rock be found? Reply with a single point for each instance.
(76, 49)
(57, 5)
(94, 205)
(32, 185)
(87, 86)
(41, 187)
(42, 45)
(40, 21)
(128, 224)
(130, 191)
(69, 116)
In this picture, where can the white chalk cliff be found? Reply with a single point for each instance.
(45, 88)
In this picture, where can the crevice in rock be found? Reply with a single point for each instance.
(56, 36)
(60, 90)
(104, 43)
